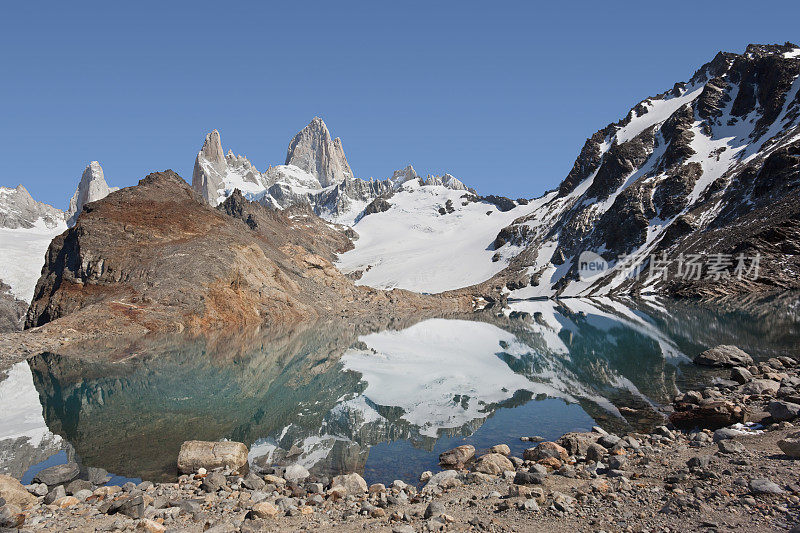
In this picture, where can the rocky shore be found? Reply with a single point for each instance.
(725, 459)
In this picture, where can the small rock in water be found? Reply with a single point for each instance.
(457, 457)
(723, 356)
(97, 476)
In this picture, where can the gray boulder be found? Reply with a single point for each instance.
(730, 446)
(723, 356)
(353, 483)
(56, 475)
(54, 494)
(457, 457)
(764, 486)
(761, 386)
(295, 473)
(741, 375)
(790, 445)
(213, 482)
(780, 410)
(78, 485)
(528, 478)
(197, 454)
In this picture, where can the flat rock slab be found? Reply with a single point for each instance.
(57, 475)
(196, 454)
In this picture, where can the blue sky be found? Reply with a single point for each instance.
(502, 95)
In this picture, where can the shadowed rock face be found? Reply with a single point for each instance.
(156, 257)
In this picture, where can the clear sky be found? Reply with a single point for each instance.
(500, 94)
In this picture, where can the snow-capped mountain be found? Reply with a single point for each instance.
(316, 172)
(710, 166)
(18, 209)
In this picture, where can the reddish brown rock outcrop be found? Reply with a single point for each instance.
(155, 257)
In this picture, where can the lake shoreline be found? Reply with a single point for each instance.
(668, 478)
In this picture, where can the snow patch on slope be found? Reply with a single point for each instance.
(412, 246)
(22, 252)
(658, 110)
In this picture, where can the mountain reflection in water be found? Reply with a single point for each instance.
(385, 400)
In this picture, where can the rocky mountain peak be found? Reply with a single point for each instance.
(212, 148)
(313, 151)
(404, 174)
(210, 167)
(18, 209)
(754, 51)
(91, 188)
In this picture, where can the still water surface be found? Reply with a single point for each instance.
(384, 402)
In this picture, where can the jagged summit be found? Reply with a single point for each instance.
(91, 188)
(18, 209)
(313, 151)
(316, 173)
(787, 50)
(210, 168)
